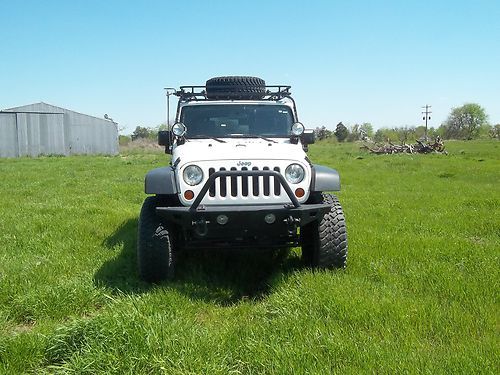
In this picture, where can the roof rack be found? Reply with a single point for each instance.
(199, 93)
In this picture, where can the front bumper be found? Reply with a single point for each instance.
(244, 225)
(245, 215)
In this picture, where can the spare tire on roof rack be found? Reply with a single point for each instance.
(236, 87)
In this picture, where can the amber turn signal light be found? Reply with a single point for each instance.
(299, 193)
(188, 195)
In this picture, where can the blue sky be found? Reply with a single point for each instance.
(350, 61)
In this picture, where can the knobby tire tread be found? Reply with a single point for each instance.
(325, 243)
(235, 87)
(154, 245)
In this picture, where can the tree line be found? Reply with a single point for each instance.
(469, 121)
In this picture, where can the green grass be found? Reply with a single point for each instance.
(419, 295)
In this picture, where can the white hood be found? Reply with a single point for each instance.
(237, 149)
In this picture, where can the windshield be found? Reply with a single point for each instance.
(233, 120)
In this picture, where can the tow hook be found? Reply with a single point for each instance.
(200, 227)
(292, 223)
(290, 220)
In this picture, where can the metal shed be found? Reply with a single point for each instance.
(44, 129)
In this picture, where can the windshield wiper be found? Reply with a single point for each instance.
(253, 136)
(208, 136)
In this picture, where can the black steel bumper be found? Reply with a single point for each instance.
(243, 226)
(269, 224)
(245, 215)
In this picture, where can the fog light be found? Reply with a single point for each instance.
(299, 193)
(222, 219)
(270, 218)
(188, 194)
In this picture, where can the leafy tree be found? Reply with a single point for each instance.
(354, 133)
(341, 132)
(140, 132)
(123, 140)
(442, 131)
(495, 131)
(379, 136)
(360, 132)
(322, 133)
(484, 130)
(420, 132)
(402, 134)
(367, 129)
(405, 134)
(465, 121)
(147, 132)
(433, 133)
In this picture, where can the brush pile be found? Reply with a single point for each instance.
(419, 147)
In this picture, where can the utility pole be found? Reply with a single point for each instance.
(168, 91)
(426, 117)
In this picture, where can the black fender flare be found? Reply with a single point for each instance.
(160, 181)
(324, 179)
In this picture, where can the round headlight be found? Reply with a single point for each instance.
(179, 129)
(294, 173)
(297, 129)
(193, 175)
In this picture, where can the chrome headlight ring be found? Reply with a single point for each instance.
(192, 175)
(294, 173)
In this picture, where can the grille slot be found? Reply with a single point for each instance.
(266, 183)
(211, 190)
(223, 184)
(234, 186)
(244, 183)
(277, 185)
(255, 183)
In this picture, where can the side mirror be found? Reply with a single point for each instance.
(165, 139)
(308, 137)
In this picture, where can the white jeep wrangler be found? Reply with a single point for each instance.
(239, 177)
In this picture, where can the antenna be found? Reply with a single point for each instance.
(168, 91)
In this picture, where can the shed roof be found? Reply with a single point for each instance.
(42, 107)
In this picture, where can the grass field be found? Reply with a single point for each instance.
(420, 293)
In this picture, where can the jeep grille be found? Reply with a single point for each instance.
(245, 186)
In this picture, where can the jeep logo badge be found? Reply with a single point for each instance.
(244, 164)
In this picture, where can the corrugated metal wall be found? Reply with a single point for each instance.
(40, 134)
(42, 129)
(90, 135)
(8, 135)
(31, 134)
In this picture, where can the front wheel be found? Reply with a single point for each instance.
(154, 244)
(324, 243)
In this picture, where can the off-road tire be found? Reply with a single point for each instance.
(155, 256)
(324, 243)
(235, 87)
